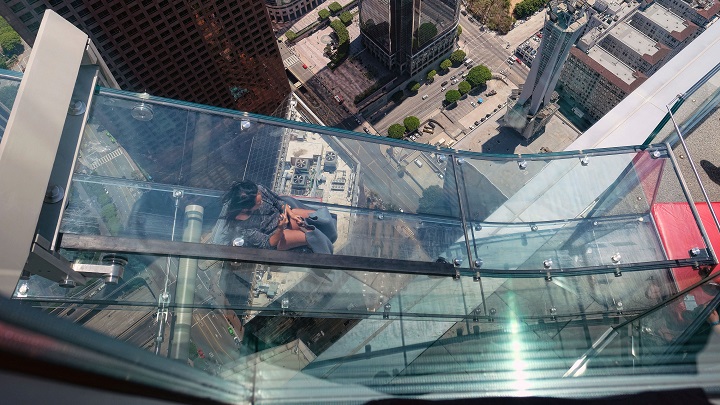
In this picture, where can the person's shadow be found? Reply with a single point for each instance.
(712, 171)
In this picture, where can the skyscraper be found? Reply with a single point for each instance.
(221, 53)
(563, 25)
(409, 35)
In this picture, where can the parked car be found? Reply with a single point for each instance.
(200, 353)
(442, 89)
(366, 130)
(453, 78)
(425, 97)
(472, 103)
(477, 122)
(444, 83)
(490, 93)
(418, 163)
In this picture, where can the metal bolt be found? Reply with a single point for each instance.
(695, 251)
(477, 227)
(460, 161)
(616, 258)
(547, 263)
(533, 228)
(478, 263)
(238, 242)
(457, 261)
(523, 164)
(54, 194)
(619, 307)
(177, 193)
(618, 273)
(584, 161)
(655, 154)
(77, 107)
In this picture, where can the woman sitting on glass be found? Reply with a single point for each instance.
(256, 217)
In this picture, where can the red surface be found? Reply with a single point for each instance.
(676, 226)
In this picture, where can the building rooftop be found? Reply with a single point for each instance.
(644, 46)
(665, 18)
(608, 65)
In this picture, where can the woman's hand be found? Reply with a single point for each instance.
(282, 221)
(296, 221)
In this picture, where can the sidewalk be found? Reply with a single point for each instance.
(312, 16)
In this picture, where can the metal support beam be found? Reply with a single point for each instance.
(30, 144)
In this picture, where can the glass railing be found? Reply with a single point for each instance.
(143, 161)
(443, 267)
(9, 83)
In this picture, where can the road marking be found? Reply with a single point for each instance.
(110, 156)
(291, 60)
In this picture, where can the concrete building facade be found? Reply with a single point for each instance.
(290, 10)
(220, 53)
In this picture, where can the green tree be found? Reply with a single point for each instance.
(459, 31)
(346, 17)
(413, 86)
(396, 131)
(291, 35)
(11, 43)
(323, 14)
(527, 7)
(343, 41)
(411, 123)
(464, 87)
(431, 75)
(478, 75)
(425, 33)
(457, 57)
(335, 7)
(398, 96)
(452, 96)
(433, 201)
(445, 65)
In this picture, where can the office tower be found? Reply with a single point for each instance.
(284, 10)
(221, 53)
(563, 25)
(407, 36)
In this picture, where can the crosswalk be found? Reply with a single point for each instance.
(290, 60)
(110, 156)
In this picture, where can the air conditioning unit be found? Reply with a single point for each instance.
(299, 181)
(330, 161)
(302, 165)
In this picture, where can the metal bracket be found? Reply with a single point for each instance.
(47, 263)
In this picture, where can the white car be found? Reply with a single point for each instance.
(425, 97)
(472, 103)
(442, 89)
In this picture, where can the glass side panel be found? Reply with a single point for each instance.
(307, 188)
(676, 333)
(9, 84)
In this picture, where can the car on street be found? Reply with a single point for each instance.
(418, 163)
(358, 120)
(471, 127)
(453, 78)
(304, 66)
(425, 97)
(200, 353)
(472, 103)
(487, 115)
(511, 62)
(490, 93)
(444, 83)
(366, 130)
(431, 124)
(477, 122)
(454, 81)
(442, 89)
(480, 100)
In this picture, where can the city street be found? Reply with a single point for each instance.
(483, 47)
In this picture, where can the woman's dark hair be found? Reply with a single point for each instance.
(241, 196)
